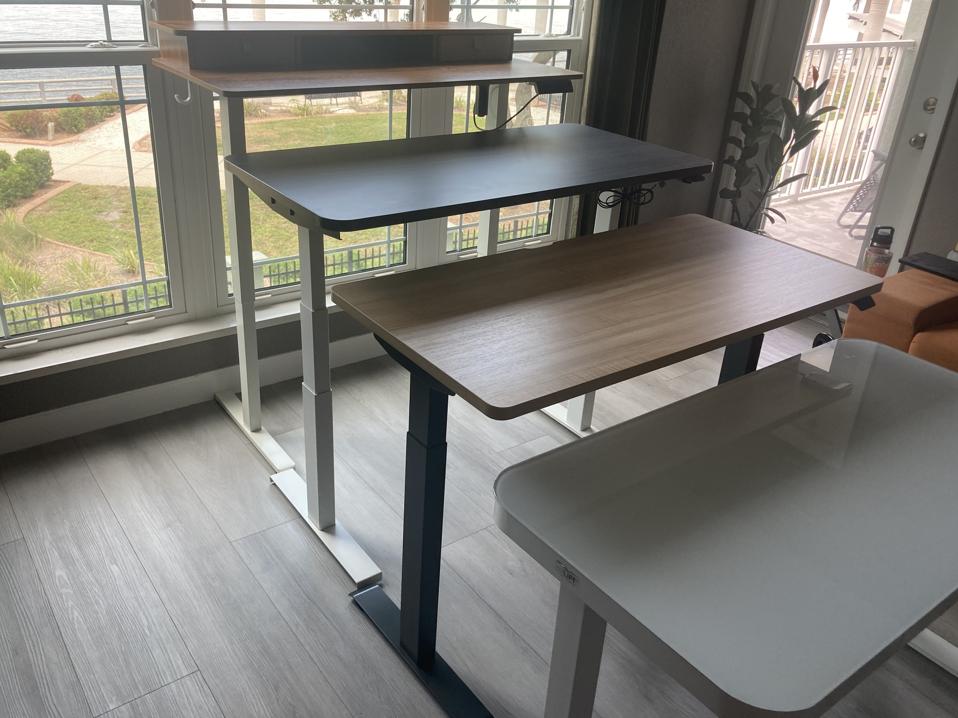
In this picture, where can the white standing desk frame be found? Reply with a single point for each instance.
(314, 495)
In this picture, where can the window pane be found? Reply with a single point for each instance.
(82, 23)
(519, 222)
(533, 17)
(310, 121)
(318, 11)
(79, 240)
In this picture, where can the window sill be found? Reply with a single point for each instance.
(137, 343)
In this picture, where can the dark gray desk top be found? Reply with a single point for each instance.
(372, 184)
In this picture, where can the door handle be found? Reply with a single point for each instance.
(917, 140)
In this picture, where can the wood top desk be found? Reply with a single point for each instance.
(631, 301)
(373, 184)
(768, 542)
(514, 333)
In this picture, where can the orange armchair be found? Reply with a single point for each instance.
(916, 312)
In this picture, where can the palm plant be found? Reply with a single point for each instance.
(772, 130)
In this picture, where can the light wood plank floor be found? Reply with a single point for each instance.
(151, 570)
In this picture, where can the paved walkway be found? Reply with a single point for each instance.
(97, 156)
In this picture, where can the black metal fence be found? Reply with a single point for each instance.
(66, 310)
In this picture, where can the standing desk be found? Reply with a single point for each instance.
(327, 190)
(232, 87)
(768, 542)
(564, 320)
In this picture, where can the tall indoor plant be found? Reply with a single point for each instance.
(772, 130)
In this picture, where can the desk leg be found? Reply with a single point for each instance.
(411, 629)
(741, 358)
(576, 416)
(314, 495)
(241, 270)
(576, 656)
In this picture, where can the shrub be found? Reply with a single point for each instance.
(30, 123)
(4, 160)
(30, 170)
(16, 183)
(38, 164)
(72, 120)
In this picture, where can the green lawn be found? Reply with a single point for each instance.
(319, 130)
(100, 218)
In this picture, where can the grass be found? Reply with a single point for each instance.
(100, 218)
(318, 130)
(330, 129)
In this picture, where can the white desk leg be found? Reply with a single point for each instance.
(314, 496)
(488, 241)
(241, 253)
(317, 398)
(576, 656)
(577, 415)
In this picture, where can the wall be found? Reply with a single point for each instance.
(695, 75)
(936, 227)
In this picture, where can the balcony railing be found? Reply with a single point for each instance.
(862, 80)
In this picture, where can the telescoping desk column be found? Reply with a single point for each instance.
(564, 320)
(238, 60)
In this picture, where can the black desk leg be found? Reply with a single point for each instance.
(741, 358)
(412, 629)
(422, 518)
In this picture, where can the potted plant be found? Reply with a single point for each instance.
(772, 130)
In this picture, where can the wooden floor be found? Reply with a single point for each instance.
(151, 570)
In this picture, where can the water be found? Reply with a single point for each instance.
(73, 23)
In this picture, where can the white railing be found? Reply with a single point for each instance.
(47, 90)
(862, 79)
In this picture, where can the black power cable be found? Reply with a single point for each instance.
(504, 122)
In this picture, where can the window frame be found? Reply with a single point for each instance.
(126, 54)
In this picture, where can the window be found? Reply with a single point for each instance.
(103, 224)
(536, 17)
(519, 223)
(310, 121)
(81, 237)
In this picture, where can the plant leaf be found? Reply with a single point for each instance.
(789, 180)
(777, 212)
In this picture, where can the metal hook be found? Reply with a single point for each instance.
(189, 95)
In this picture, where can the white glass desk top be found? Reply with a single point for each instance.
(770, 540)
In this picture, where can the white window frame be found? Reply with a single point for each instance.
(126, 54)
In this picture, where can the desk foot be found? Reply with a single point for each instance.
(559, 414)
(265, 444)
(452, 695)
(361, 569)
(937, 649)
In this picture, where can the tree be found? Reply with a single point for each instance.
(346, 9)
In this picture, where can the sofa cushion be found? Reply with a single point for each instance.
(908, 303)
(938, 345)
